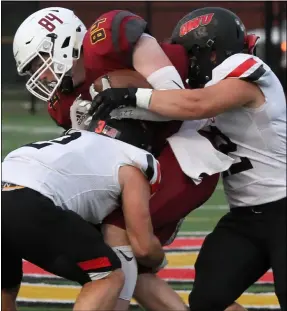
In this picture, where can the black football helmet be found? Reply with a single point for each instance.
(210, 35)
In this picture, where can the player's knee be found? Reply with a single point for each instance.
(113, 264)
(8, 298)
(112, 282)
(117, 278)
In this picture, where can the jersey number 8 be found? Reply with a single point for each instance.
(97, 34)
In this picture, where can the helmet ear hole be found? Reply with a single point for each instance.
(75, 53)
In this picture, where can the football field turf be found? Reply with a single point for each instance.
(45, 292)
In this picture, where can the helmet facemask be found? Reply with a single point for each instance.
(201, 65)
(45, 90)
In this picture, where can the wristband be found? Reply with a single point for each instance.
(143, 98)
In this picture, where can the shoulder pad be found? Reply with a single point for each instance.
(241, 66)
(114, 33)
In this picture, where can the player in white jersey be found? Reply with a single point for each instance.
(48, 185)
(249, 106)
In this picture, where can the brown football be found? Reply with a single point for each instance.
(123, 78)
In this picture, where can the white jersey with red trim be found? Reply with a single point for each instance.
(78, 171)
(254, 138)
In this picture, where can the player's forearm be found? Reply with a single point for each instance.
(178, 104)
(201, 103)
(148, 253)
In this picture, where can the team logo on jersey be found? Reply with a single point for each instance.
(194, 23)
(96, 33)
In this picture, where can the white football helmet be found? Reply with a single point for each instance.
(55, 32)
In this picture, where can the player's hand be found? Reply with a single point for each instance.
(79, 115)
(110, 99)
(161, 266)
(105, 85)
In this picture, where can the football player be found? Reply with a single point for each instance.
(45, 47)
(249, 104)
(57, 189)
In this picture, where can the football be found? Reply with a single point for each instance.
(123, 78)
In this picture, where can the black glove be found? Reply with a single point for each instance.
(110, 99)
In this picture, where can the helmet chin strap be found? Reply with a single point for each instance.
(67, 85)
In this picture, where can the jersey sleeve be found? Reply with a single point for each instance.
(114, 35)
(151, 169)
(241, 66)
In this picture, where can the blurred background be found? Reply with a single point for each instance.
(25, 119)
(267, 19)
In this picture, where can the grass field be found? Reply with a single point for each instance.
(19, 127)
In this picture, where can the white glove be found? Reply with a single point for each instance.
(79, 113)
(105, 84)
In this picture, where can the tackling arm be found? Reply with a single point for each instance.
(184, 104)
(135, 197)
(200, 103)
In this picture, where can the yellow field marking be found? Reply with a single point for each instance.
(43, 292)
(181, 259)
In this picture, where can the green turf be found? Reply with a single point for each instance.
(19, 127)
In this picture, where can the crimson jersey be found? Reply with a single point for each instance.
(108, 46)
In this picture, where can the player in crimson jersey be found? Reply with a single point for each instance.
(117, 40)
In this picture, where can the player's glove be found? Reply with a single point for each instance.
(108, 100)
(113, 98)
(79, 116)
